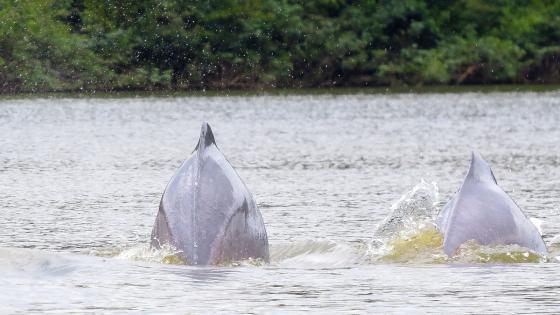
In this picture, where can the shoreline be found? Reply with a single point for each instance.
(425, 89)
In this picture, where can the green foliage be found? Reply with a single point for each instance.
(172, 44)
(37, 52)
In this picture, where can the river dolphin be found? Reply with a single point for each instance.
(483, 212)
(207, 213)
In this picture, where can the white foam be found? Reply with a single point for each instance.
(418, 204)
(316, 254)
(144, 252)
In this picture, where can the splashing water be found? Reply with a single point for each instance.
(165, 255)
(410, 235)
(416, 205)
(311, 253)
(419, 244)
(424, 245)
(473, 252)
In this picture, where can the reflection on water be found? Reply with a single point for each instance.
(81, 181)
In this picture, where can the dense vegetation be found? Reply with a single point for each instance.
(171, 44)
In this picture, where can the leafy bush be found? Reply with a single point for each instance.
(171, 44)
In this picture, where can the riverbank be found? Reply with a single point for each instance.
(430, 89)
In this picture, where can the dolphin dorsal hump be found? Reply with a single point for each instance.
(206, 137)
(480, 170)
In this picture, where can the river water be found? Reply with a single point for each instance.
(81, 179)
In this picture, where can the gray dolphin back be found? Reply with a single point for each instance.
(483, 212)
(207, 212)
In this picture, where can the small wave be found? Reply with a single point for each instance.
(317, 254)
(408, 235)
(16, 261)
(425, 246)
(473, 252)
(314, 253)
(170, 256)
(420, 243)
(144, 252)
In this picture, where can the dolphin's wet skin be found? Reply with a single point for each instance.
(82, 180)
(207, 213)
(483, 212)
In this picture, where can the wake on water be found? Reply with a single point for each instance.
(309, 253)
(408, 235)
(391, 242)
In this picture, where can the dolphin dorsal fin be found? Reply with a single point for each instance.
(479, 169)
(206, 137)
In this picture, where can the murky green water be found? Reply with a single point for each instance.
(81, 178)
